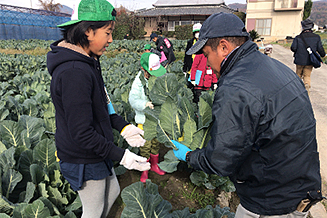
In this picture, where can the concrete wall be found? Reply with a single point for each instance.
(285, 18)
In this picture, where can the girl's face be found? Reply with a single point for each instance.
(98, 40)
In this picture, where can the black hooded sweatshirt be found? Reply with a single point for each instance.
(83, 125)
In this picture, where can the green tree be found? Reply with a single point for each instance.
(307, 9)
(254, 35)
(128, 23)
(50, 5)
(241, 15)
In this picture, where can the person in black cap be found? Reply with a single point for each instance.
(165, 47)
(301, 55)
(263, 130)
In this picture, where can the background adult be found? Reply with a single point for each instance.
(263, 134)
(301, 55)
(188, 59)
(165, 47)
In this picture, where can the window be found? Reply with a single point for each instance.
(263, 26)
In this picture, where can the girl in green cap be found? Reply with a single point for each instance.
(85, 117)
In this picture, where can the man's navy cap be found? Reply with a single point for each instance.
(153, 35)
(307, 24)
(219, 25)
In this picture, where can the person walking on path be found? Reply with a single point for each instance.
(165, 47)
(139, 100)
(202, 77)
(188, 59)
(301, 55)
(85, 117)
(263, 134)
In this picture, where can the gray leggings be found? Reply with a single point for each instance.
(98, 196)
(241, 212)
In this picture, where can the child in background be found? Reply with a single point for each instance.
(139, 100)
(85, 118)
(202, 77)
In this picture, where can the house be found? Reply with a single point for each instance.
(274, 19)
(167, 14)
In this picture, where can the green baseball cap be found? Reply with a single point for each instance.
(91, 10)
(151, 63)
(147, 46)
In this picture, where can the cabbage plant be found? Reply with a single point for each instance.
(176, 117)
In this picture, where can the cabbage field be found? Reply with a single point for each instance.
(31, 183)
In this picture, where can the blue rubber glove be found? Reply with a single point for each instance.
(182, 150)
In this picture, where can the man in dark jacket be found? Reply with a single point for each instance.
(301, 55)
(263, 134)
(165, 47)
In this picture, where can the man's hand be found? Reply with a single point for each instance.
(193, 82)
(149, 104)
(133, 135)
(215, 86)
(182, 150)
(132, 161)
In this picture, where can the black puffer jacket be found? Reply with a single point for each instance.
(301, 55)
(263, 134)
(165, 45)
(188, 60)
(84, 127)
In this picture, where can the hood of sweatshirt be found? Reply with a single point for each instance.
(62, 52)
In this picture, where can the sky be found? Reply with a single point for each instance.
(129, 4)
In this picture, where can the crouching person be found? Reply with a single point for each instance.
(139, 100)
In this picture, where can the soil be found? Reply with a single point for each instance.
(178, 190)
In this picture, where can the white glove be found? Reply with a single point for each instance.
(185, 74)
(132, 161)
(193, 82)
(133, 136)
(149, 104)
(215, 86)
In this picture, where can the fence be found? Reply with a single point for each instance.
(25, 23)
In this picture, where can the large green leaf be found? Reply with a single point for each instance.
(2, 147)
(24, 162)
(56, 197)
(170, 162)
(11, 133)
(189, 131)
(3, 215)
(144, 203)
(200, 138)
(10, 179)
(7, 160)
(53, 209)
(30, 108)
(37, 174)
(185, 213)
(186, 108)
(44, 153)
(205, 114)
(5, 205)
(77, 204)
(37, 210)
(30, 189)
(216, 212)
(169, 122)
(165, 86)
(34, 128)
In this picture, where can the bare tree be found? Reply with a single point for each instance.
(50, 5)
